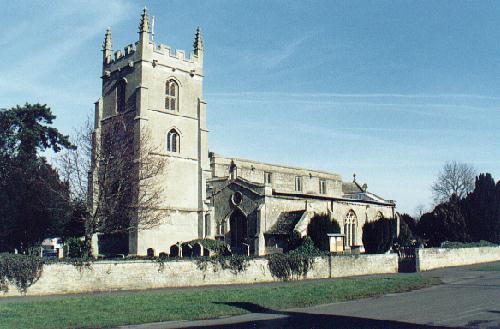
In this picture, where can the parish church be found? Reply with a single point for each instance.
(252, 206)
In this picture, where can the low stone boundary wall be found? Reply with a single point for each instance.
(431, 258)
(364, 265)
(136, 275)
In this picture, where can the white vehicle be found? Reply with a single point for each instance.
(51, 247)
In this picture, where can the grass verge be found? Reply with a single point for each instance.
(495, 268)
(97, 311)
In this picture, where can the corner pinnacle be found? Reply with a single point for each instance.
(198, 42)
(144, 24)
(107, 44)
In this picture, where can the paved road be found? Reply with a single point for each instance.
(467, 298)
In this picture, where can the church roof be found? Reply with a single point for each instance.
(221, 183)
(353, 191)
(351, 187)
(286, 222)
(217, 159)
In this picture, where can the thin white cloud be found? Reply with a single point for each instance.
(34, 76)
(280, 55)
(38, 63)
(351, 95)
(457, 106)
(444, 106)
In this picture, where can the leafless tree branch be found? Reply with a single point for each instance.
(455, 178)
(116, 173)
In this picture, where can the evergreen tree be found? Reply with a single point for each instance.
(407, 230)
(33, 200)
(378, 236)
(445, 223)
(497, 214)
(318, 229)
(481, 209)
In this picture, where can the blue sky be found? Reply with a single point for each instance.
(390, 90)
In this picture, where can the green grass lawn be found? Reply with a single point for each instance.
(142, 307)
(495, 267)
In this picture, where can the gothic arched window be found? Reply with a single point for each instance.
(350, 220)
(171, 95)
(173, 141)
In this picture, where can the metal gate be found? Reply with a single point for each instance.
(407, 260)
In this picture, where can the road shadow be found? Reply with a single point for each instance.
(307, 320)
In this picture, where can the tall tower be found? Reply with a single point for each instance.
(162, 91)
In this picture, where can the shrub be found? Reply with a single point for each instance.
(20, 270)
(235, 263)
(318, 228)
(307, 247)
(481, 243)
(294, 240)
(297, 262)
(379, 235)
(215, 246)
(279, 266)
(74, 248)
(83, 263)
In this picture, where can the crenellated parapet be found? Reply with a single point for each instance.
(121, 54)
(178, 54)
(145, 50)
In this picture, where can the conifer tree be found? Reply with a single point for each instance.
(482, 209)
(33, 200)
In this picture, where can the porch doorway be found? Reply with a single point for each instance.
(238, 225)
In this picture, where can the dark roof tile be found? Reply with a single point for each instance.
(286, 222)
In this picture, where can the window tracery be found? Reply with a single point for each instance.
(171, 95)
(350, 223)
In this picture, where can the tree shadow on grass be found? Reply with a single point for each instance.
(494, 311)
(307, 320)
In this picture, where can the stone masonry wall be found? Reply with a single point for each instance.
(431, 258)
(137, 275)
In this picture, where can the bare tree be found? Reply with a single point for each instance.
(74, 165)
(455, 178)
(116, 173)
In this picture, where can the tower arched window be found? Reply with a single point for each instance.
(173, 141)
(171, 95)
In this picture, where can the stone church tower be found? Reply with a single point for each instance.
(162, 90)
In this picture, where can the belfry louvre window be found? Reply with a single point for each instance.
(171, 95)
(173, 141)
(298, 183)
(322, 186)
